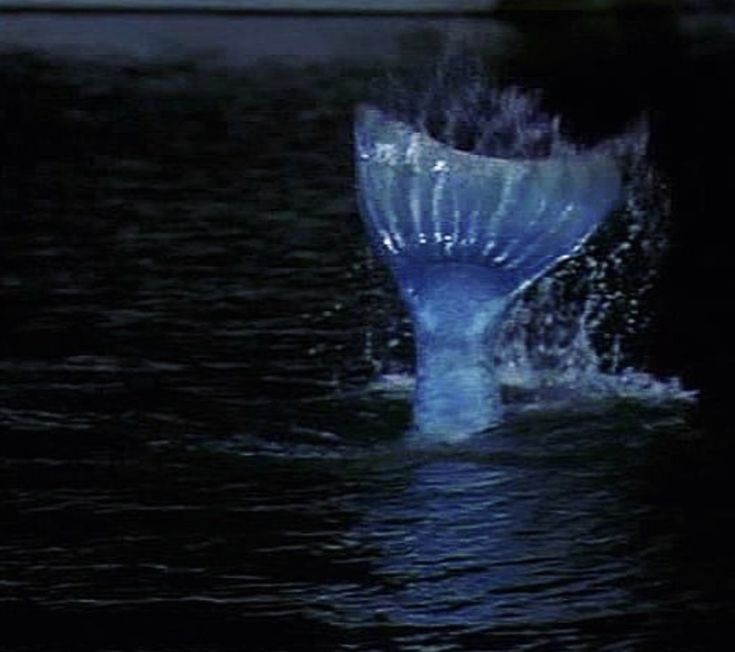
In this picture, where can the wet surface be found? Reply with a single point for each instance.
(193, 456)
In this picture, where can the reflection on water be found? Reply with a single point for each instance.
(193, 457)
(552, 531)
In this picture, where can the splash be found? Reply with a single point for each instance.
(493, 226)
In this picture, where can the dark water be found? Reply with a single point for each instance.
(193, 453)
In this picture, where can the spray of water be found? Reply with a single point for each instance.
(583, 329)
(580, 329)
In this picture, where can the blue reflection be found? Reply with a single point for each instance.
(518, 534)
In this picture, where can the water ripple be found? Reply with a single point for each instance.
(190, 444)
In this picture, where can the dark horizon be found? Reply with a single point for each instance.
(419, 8)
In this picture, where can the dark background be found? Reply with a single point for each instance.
(600, 71)
(89, 236)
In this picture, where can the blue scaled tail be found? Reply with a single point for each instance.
(463, 233)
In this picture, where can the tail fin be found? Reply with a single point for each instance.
(425, 201)
(462, 233)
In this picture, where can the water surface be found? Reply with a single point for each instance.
(203, 445)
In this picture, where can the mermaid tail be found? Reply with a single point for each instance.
(463, 234)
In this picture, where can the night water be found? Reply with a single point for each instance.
(205, 396)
